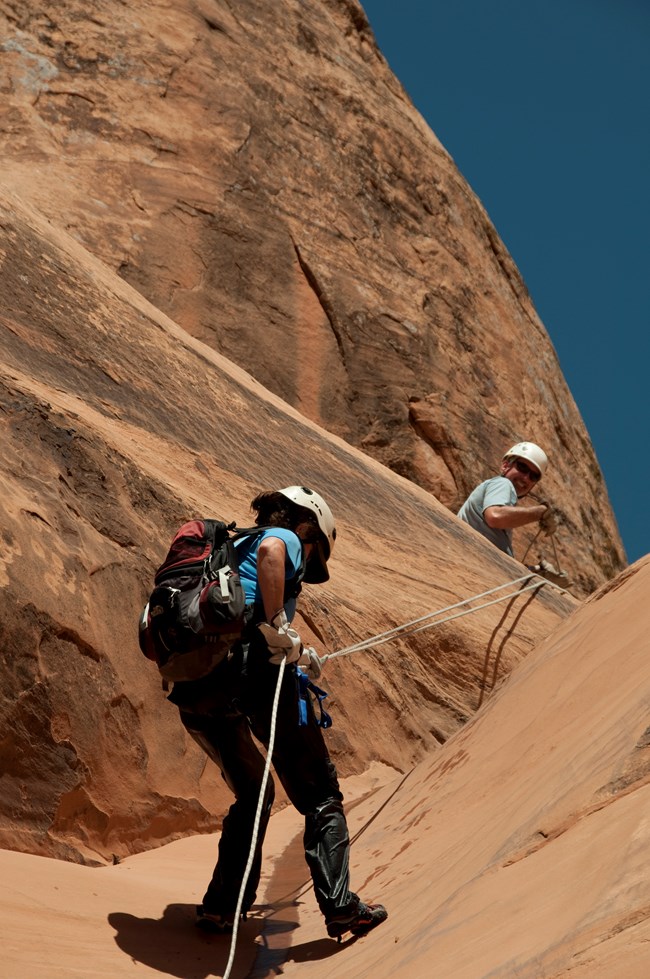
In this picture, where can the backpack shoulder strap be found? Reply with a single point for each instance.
(293, 586)
(241, 532)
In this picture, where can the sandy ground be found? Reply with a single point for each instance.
(61, 920)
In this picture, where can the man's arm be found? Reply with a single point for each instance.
(508, 517)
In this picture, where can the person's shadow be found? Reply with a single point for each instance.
(172, 944)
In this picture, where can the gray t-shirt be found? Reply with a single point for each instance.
(497, 491)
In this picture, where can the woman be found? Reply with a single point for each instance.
(222, 710)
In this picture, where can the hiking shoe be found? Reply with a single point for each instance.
(214, 924)
(358, 922)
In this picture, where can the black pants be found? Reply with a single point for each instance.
(221, 723)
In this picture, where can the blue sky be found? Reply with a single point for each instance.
(543, 104)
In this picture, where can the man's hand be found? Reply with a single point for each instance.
(548, 522)
(282, 640)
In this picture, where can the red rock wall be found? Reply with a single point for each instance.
(115, 426)
(257, 172)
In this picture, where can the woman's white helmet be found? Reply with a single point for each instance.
(304, 497)
(531, 453)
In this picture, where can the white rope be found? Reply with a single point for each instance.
(400, 630)
(258, 815)
(448, 608)
(429, 625)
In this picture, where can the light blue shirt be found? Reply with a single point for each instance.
(497, 491)
(247, 549)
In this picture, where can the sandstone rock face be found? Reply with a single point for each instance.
(116, 426)
(256, 172)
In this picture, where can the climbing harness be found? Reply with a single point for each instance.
(305, 687)
(416, 625)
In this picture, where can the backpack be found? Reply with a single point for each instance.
(197, 609)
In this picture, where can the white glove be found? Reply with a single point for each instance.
(282, 640)
(548, 522)
(311, 663)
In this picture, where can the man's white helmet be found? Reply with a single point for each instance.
(303, 496)
(531, 453)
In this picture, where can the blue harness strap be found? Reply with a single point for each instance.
(305, 686)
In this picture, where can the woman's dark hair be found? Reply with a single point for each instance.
(274, 509)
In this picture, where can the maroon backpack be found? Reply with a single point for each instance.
(196, 610)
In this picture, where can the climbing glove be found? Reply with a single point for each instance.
(548, 522)
(282, 640)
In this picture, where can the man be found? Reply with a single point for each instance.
(224, 709)
(492, 508)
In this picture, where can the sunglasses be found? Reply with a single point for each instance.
(525, 470)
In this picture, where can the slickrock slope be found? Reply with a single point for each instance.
(520, 849)
(116, 426)
(257, 172)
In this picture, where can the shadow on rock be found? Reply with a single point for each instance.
(275, 952)
(172, 944)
